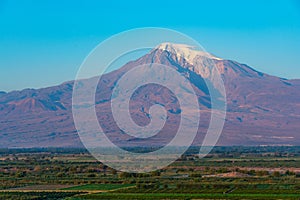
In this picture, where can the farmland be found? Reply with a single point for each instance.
(226, 173)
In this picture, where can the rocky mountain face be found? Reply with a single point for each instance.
(261, 109)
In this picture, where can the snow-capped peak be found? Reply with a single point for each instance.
(186, 51)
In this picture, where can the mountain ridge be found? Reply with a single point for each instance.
(262, 109)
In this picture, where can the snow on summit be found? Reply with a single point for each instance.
(186, 51)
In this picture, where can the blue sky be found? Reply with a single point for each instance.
(43, 43)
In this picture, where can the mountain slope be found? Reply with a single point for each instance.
(262, 109)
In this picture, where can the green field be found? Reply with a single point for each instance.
(188, 196)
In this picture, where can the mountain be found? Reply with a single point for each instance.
(2, 93)
(261, 109)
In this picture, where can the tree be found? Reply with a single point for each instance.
(276, 174)
(155, 173)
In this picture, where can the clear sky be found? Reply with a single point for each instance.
(43, 43)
